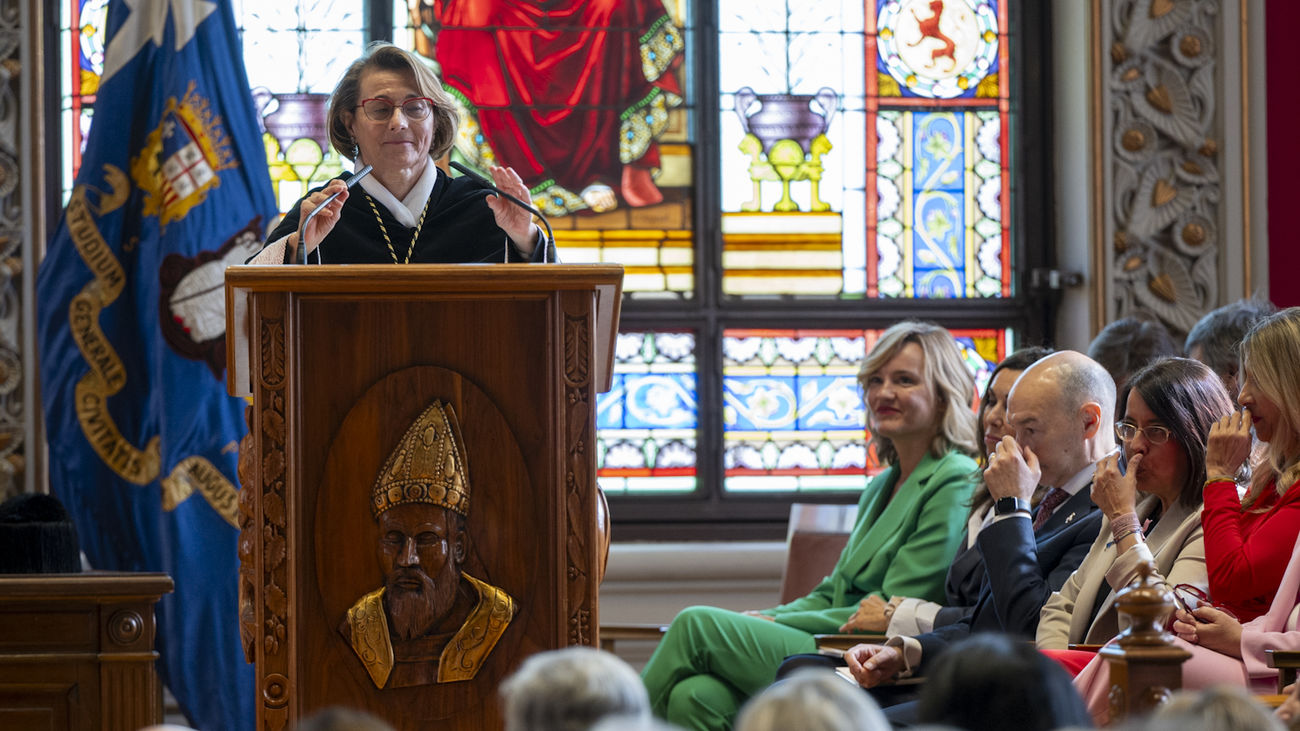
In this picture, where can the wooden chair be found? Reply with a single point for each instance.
(1287, 663)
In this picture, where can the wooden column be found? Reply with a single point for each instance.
(1146, 666)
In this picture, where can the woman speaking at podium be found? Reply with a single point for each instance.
(390, 112)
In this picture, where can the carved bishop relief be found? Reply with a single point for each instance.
(1165, 179)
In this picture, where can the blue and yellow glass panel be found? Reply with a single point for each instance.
(589, 103)
(793, 414)
(82, 40)
(939, 213)
(295, 52)
(647, 422)
(938, 190)
(804, 174)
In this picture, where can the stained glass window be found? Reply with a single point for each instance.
(938, 101)
(793, 414)
(588, 102)
(295, 52)
(647, 421)
(856, 168)
(81, 40)
(876, 174)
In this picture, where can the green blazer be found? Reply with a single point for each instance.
(899, 547)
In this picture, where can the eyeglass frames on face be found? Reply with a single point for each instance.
(1154, 434)
(381, 110)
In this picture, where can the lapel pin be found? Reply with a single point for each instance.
(1069, 518)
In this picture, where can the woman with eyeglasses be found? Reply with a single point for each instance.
(1251, 553)
(390, 111)
(1152, 510)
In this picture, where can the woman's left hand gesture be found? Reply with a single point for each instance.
(514, 220)
(1115, 492)
(1210, 627)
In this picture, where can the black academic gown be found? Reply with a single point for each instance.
(458, 229)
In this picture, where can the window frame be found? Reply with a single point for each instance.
(710, 512)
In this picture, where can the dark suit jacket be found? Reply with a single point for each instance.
(962, 588)
(1021, 572)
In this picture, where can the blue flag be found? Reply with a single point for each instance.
(173, 187)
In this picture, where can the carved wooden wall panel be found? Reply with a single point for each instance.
(1163, 207)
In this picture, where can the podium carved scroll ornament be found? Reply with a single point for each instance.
(577, 382)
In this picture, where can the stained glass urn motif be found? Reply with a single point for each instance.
(785, 139)
(289, 117)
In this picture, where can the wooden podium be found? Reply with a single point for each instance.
(339, 361)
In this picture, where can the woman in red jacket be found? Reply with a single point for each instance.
(1248, 540)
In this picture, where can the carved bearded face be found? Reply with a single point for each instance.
(421, 548)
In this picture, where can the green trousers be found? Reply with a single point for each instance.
(712, 660)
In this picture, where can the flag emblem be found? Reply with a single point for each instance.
(181, 158)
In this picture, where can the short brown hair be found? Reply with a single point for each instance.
(387, 57)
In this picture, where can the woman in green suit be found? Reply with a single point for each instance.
(910, 519)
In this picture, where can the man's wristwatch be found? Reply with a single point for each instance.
(1010, 505)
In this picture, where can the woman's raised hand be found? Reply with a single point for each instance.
(320, 226)
(1115, 492)
(1228, 445)
(514, 220)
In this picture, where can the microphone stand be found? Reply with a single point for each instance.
(302, 228)
(492, 188)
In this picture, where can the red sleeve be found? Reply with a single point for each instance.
(1246, 553)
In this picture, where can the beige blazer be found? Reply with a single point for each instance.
(1178, 549)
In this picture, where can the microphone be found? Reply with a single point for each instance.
(302, 228)
(488, 184)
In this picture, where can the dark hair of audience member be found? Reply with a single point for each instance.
(1187, 397)
(1217, 336)
(341, 719)
(1129, 343)
(991, 682)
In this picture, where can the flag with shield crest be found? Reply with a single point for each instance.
(173, 188)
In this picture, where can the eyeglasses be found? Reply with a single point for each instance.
(1190, 597)
(1154, 434)
(381, 110)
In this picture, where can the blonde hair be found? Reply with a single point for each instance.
(1269, 353)
(944, 373)
(384, 56)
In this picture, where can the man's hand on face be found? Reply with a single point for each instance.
(1013, 470)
